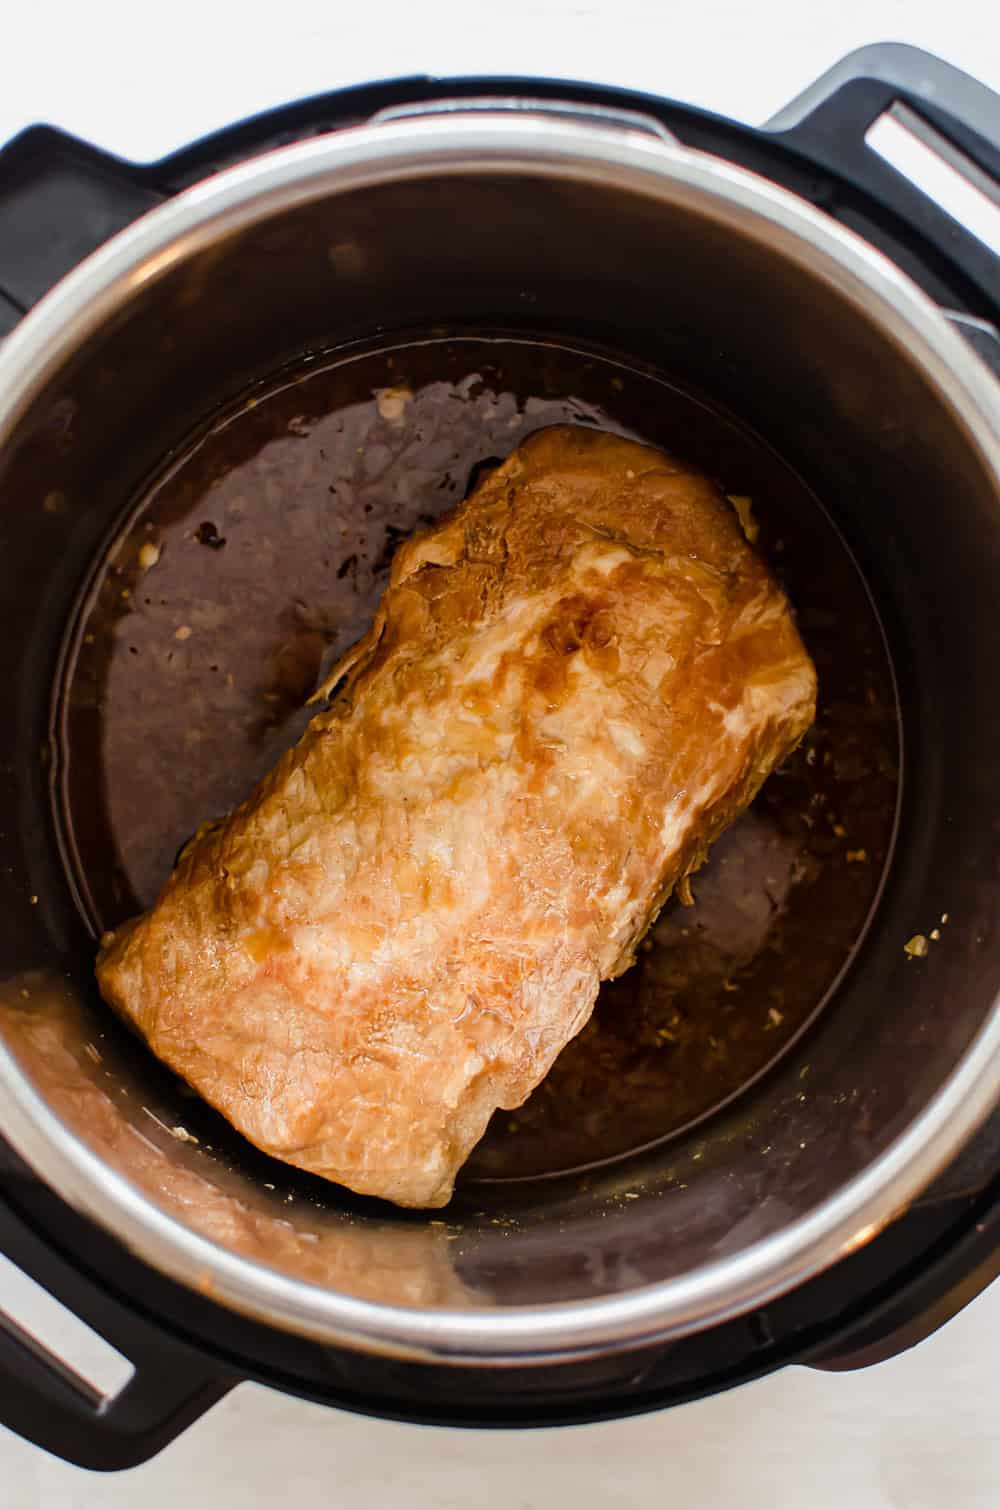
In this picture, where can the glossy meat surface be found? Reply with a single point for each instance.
(572, 684)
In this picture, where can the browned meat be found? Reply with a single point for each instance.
(572, 684)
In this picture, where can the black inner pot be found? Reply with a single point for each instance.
(258, 559)
(727, 313)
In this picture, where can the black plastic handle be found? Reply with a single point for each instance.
(60, 199)
(830, 120)
(44, 1401)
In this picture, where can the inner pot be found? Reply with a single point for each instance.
(589, 240)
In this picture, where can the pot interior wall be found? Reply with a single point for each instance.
(721, 306)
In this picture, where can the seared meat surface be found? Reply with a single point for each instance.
(572, 684)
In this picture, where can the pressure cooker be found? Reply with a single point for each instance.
(845, 1203)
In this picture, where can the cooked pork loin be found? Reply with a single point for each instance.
(573, 683)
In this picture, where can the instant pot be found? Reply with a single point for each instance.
(846, 1203)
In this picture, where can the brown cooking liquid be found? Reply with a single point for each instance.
(260, 555)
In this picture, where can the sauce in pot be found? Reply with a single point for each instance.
(259, 555)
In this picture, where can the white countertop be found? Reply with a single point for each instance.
(921, 1432)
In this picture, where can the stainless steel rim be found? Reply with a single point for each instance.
(485, 143)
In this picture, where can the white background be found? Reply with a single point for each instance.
(919, 1433)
